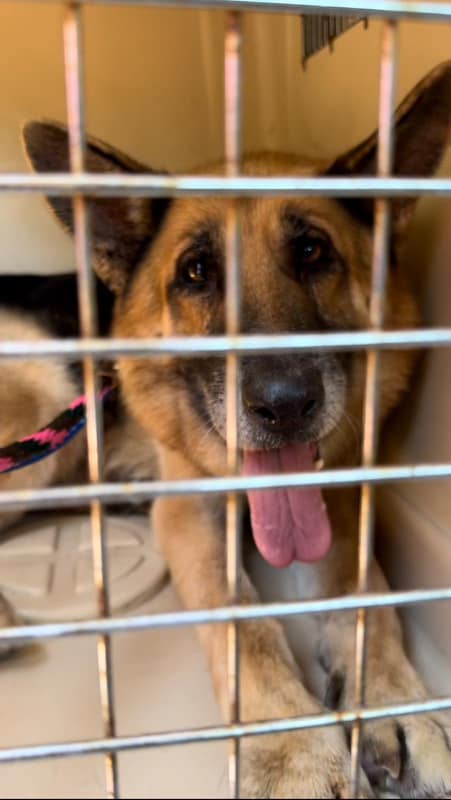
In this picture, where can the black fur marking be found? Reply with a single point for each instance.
(53, 301)
(197, 374)
(121, 231)
(334, 689)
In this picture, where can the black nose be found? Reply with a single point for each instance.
(285, 403)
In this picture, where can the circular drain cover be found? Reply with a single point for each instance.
(46, 569)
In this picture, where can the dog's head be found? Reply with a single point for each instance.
(306, 266)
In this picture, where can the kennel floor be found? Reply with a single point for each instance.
(161, 679)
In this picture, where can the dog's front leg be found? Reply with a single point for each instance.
(410, 755)
(314, 763)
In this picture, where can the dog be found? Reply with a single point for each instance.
(306, 266)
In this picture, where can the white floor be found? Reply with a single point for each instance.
(161, 679)
(161, 683)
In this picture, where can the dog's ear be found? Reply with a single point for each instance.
(121, 228)
(422, 133)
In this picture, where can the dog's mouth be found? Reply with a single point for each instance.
(287, 524)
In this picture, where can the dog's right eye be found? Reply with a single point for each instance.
(196, 272)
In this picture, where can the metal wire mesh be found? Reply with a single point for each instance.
(232, 345)
(371, 404)
(74, 78)
(232, 99)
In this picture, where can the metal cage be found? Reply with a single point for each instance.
(91, 349)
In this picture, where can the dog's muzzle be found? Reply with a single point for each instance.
(285, 404)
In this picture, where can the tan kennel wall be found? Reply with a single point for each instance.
(154, 88)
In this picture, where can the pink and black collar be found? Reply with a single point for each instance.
(48, 440)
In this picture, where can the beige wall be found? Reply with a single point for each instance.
(154, 88)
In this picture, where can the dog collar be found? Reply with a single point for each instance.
(52, 437)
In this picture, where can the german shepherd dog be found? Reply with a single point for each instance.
(306, 265)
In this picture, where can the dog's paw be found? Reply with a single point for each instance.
(313, 763)
(410, 756)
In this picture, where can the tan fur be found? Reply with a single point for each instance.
(413, 753)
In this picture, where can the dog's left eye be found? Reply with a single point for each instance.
(309, 252)
(195, 271)
(311, 248)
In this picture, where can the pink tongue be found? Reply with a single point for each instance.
(288, 524)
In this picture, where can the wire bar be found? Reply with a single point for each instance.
(233, 123)
(185, 346)
(225, 614)
(220, 732)
(370, 431)
(394, 9)
(73, 59)
(139, 491)
(62, 184)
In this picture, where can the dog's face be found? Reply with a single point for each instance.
(306, 266)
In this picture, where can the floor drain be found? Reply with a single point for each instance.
(46, 567)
